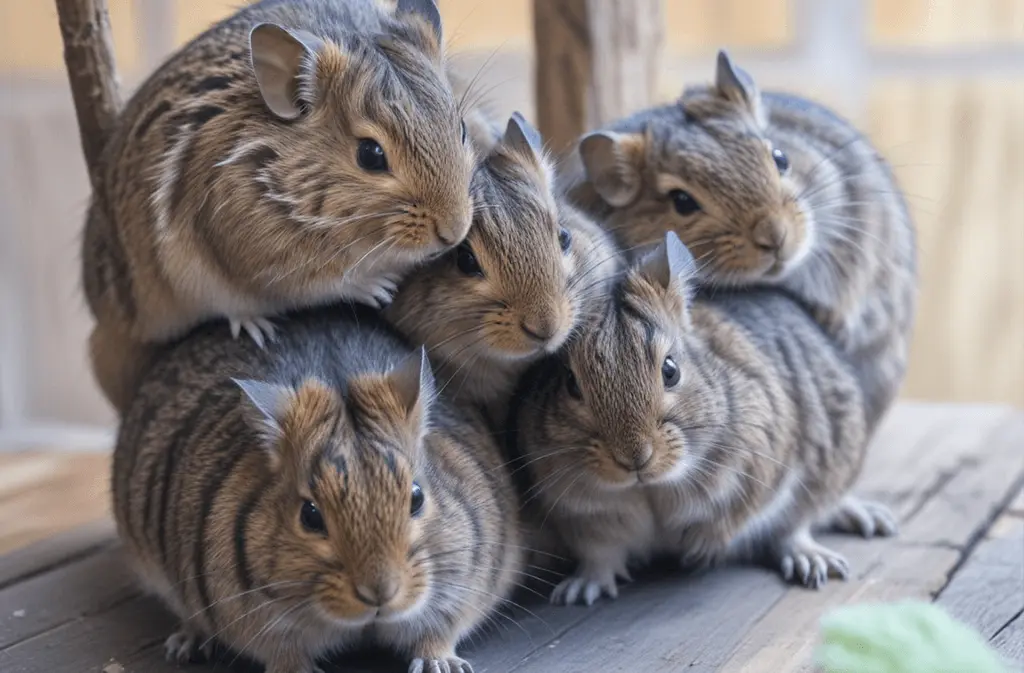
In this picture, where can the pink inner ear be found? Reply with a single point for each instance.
(276, 60)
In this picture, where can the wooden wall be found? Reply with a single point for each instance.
(939, 85)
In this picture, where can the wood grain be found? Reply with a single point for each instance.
(92, 72)
(43, 493)
(596, 61)
(924, 480)
(1010, 642)
(55, 550)
(988, 591)
(43, 603)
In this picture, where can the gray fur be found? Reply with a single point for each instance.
(758, 441)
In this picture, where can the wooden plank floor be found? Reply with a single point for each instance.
(43, 493)
(953, 473)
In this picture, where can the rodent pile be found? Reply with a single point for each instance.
(376, 355)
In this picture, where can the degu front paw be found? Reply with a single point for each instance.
(377, 293)
(261, 330)
(802, 559)
(588, 583)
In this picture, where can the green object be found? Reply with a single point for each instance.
(908, 637)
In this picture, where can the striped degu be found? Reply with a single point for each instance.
(295, 154)
(518, 286)
(314, 495)
(701, 428)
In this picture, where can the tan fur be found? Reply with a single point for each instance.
(212, 207)
(483, 331)
(209, 484)
(832, 229)
(759, 439)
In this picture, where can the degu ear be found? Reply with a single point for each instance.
(520, 136)
(412, 383)
(280, 58)
(736, 85)
(612, 163)
(670, 266)
(266, 405)
(426, 10)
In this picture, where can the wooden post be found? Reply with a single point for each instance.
(596, 60)
(92, 73)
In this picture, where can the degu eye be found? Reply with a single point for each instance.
(572, 386)
(371, 157)
(464, 133)
(669, 372)
(564, 239)
(311, 518)
(466, 260)
(683, 202)
(781, 160)
(416, 505)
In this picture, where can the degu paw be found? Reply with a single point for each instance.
(260, 330)
(802, 560)
(378, 293)
(587, 585)
(185, 646)
(863, 517)
(450, 664)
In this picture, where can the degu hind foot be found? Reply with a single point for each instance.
(866, 518)
(589, 582)
(803, 560)
(451, 664)
(438, 657)
(260, 329)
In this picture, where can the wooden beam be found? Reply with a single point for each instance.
(596, 60)
(92, 73)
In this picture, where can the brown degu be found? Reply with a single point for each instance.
(768, 189)
(517, 287)
(705, 429)
(297, 153)
(314, 495)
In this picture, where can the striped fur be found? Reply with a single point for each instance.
(483, 330)
(832, 229)
(213, 207)
(209, 485)
(760, 438)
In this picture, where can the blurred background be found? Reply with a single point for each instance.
(937, 84)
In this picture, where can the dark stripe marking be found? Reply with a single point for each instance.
(205, 114)
(180, 443)
(208, 494)
(149, 119)
(214, 83)
(242, 569)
